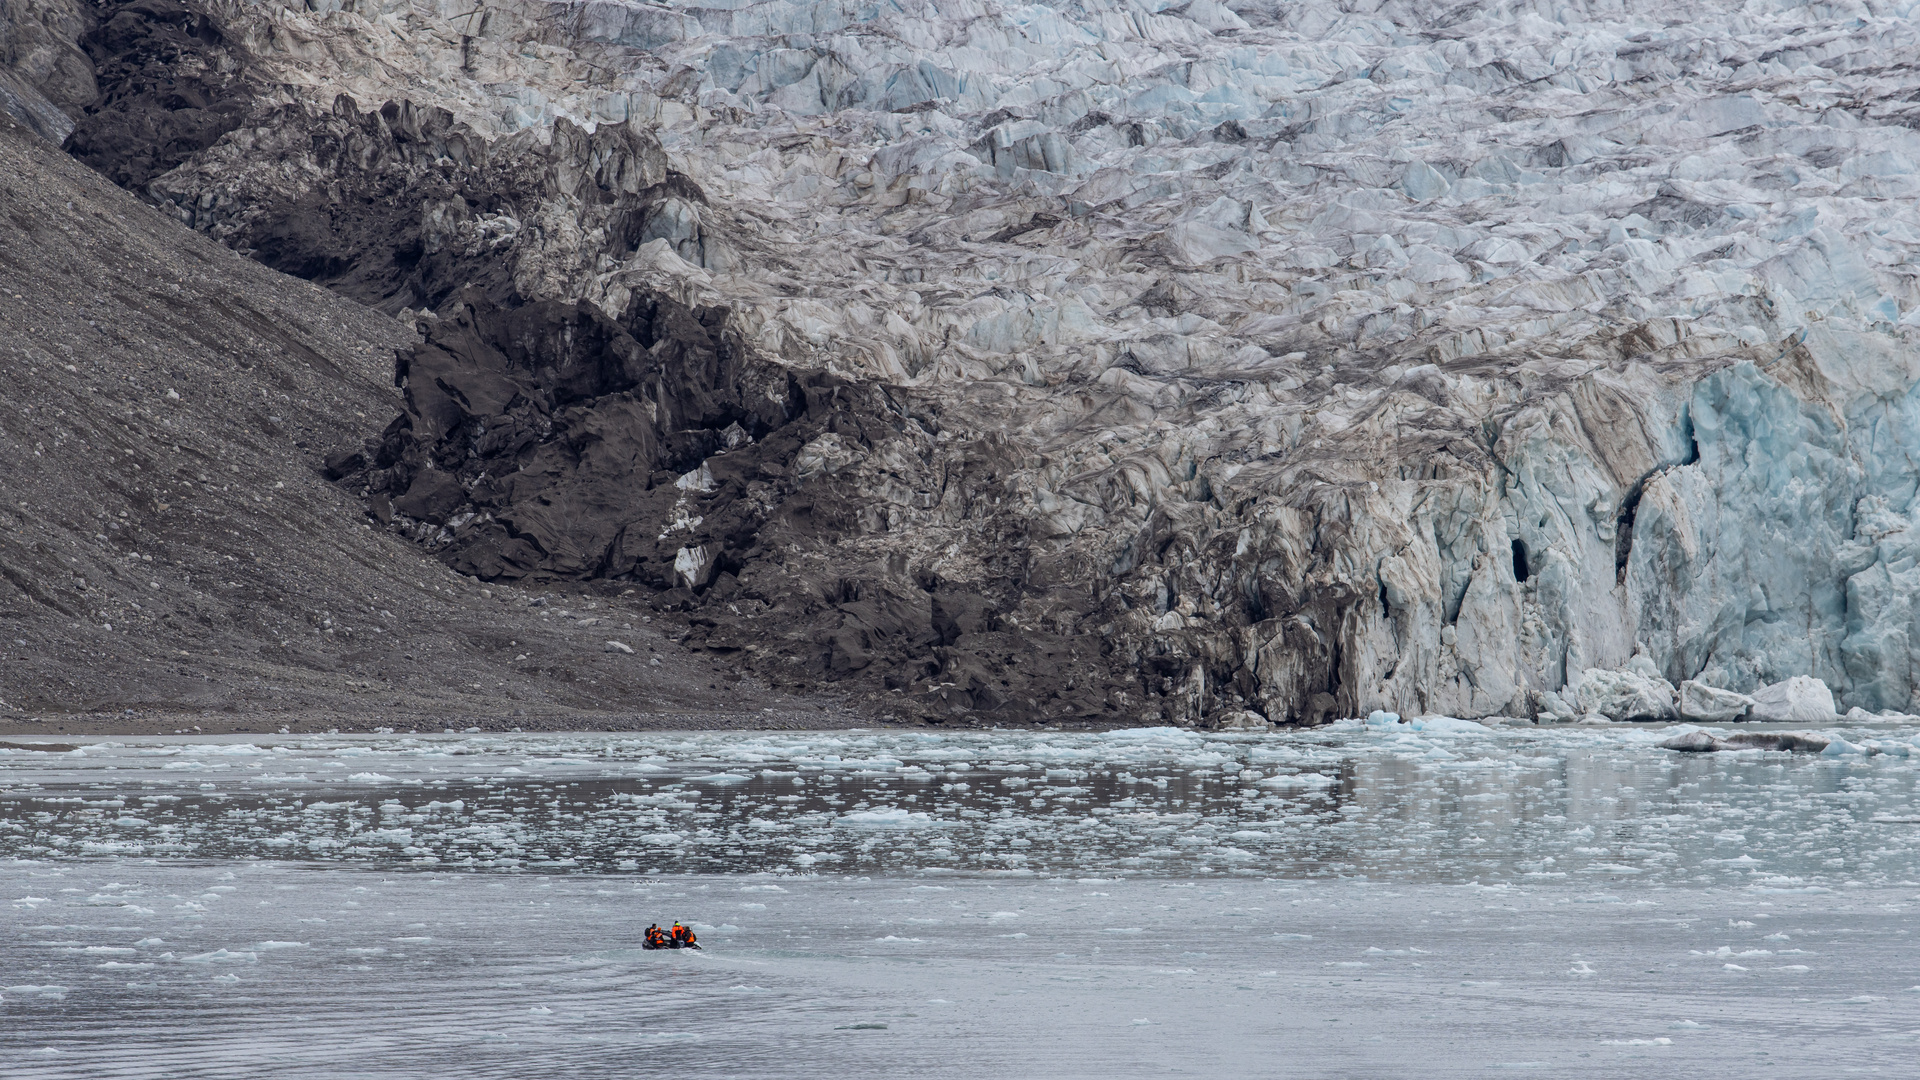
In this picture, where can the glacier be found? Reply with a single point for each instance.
(1307, 359)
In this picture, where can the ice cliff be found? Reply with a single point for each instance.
(1135, 359)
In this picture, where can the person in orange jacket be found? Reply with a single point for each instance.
(658, 938)
(683, 937)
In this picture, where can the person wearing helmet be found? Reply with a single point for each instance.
(683, 937)
(658, 938)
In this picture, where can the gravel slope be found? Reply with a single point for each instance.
(171, 557)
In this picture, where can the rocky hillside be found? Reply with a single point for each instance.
(1218, 363)
(170, 554)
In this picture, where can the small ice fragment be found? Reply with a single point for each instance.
(1142, 1022)
(222, 956)
(1685, 1025)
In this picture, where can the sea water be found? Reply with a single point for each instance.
(1440, 899)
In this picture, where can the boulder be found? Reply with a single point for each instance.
(1801, 699)
(1626, 695)
(1705, 704)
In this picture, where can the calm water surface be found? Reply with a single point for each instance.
(1346, 902)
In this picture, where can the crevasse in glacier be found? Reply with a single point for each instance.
(1330, 356)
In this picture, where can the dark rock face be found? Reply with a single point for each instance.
(550, 441)
(170, 84)
(401, 207)
(169, 552)
(553, 429)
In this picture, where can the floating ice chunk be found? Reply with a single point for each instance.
(1297, 780)
(722, 778)
(889, 817)
(370, 778)
(1433, 725)
(222, 956)
(1151, 734)
(1446, 725)
(1843, 748)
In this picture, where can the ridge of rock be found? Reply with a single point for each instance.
(169, 553)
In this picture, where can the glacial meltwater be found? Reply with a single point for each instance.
(1434, 899)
